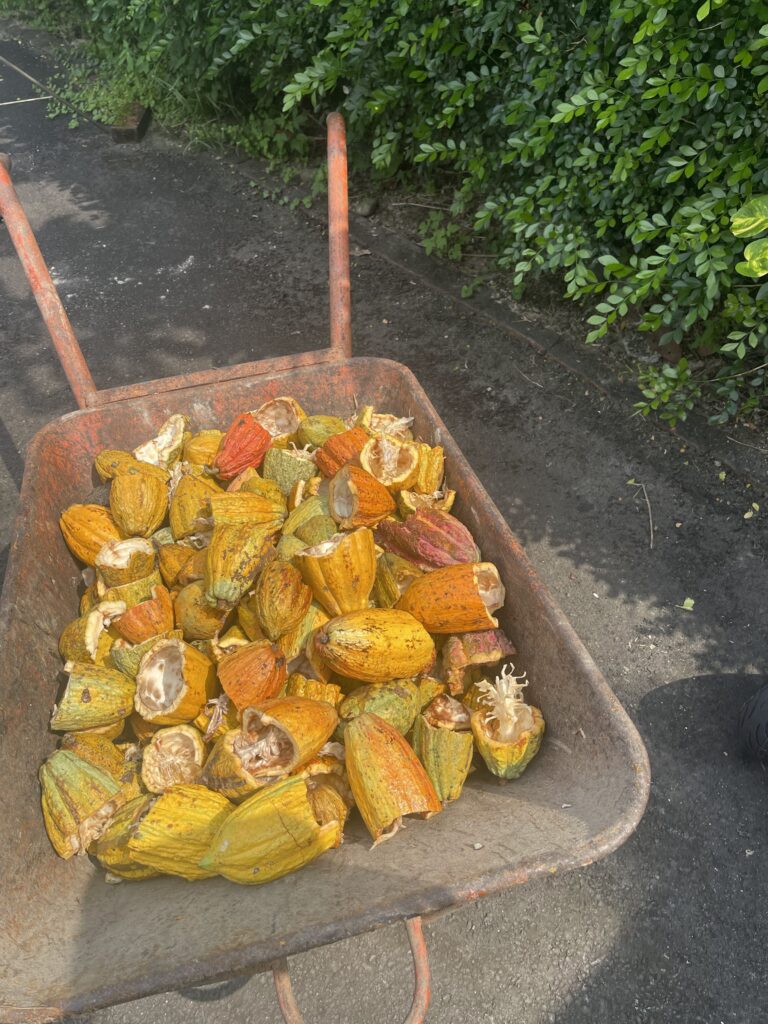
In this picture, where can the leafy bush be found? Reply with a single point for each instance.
(610, 141)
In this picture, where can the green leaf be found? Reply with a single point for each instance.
(756, 255)
(751, 219)
(703, 11)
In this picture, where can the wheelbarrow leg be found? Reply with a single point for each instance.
(421, 991)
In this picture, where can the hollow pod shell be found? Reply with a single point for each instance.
(303, 513)
(78, 800)
(285, 467)
(217, 717)
(387, 780)
(271, 834)
(142, 730)
(173, 559)
(429, 688)
(386, 592)
(200, 449)
(391, 461)
(148, 618)
(356, 498)
(507, 731)
(442, 741)
(412, 501)
(288, 547)
(139, 502)
(110, 462)
(86, 529)
(131, 593)
(429, 540)
(317, 530)
(245, 508)
(190, 506)
(196, 617)
(94, 696)
(281, 418)
(124, 561)
(248, 616)
(315, 430)
(178, 830)
(385, 423)
(281, 599)
(301, 686)
(328, 786)
(122, 762)
(341, 571)
(111, 849)
(235, 556)
(244, 445)
(174, 756)
(455, 599)
(252, 673)
(429, 475)
(294, 643)
(375, 645)
(126, 657)
(397, 702)
(340, 449)
(165, 447)
(89, 637)
(275, 739)
(252, 483)
(173, 683)
(467, 652)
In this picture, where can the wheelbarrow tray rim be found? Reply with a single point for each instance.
(225, 962)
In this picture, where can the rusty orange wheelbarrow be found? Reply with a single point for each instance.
(69, 942)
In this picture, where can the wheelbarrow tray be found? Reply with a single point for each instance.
(71, 943)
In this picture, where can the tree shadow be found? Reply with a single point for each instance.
(693, 948)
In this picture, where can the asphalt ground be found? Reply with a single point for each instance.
(169, 260)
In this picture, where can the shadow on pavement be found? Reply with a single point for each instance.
(702, 859)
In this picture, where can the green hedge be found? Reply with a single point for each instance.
(608, 141)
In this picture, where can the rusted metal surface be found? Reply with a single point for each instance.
(115, 943)
(46, 296)
(260, 368)
(421, 988)
(69, 943)
(338, 237)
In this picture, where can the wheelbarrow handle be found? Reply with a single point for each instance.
(421, 992)
(47, 298)
(63, 336)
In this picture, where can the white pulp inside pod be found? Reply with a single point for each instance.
(389, 460)
(344, 499)
(489, 586)
(174, 756)
(117, 554)
(278, 417)
(160, 682)
(262, 746)
(327, 547)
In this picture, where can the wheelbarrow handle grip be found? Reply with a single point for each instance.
(65, 342)
(421, 992)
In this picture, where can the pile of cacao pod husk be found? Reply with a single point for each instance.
(281, 622)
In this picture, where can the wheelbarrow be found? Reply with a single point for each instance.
(70, 943)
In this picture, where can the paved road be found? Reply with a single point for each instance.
(167, 260)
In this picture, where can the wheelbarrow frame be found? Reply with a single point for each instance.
(593, 760)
